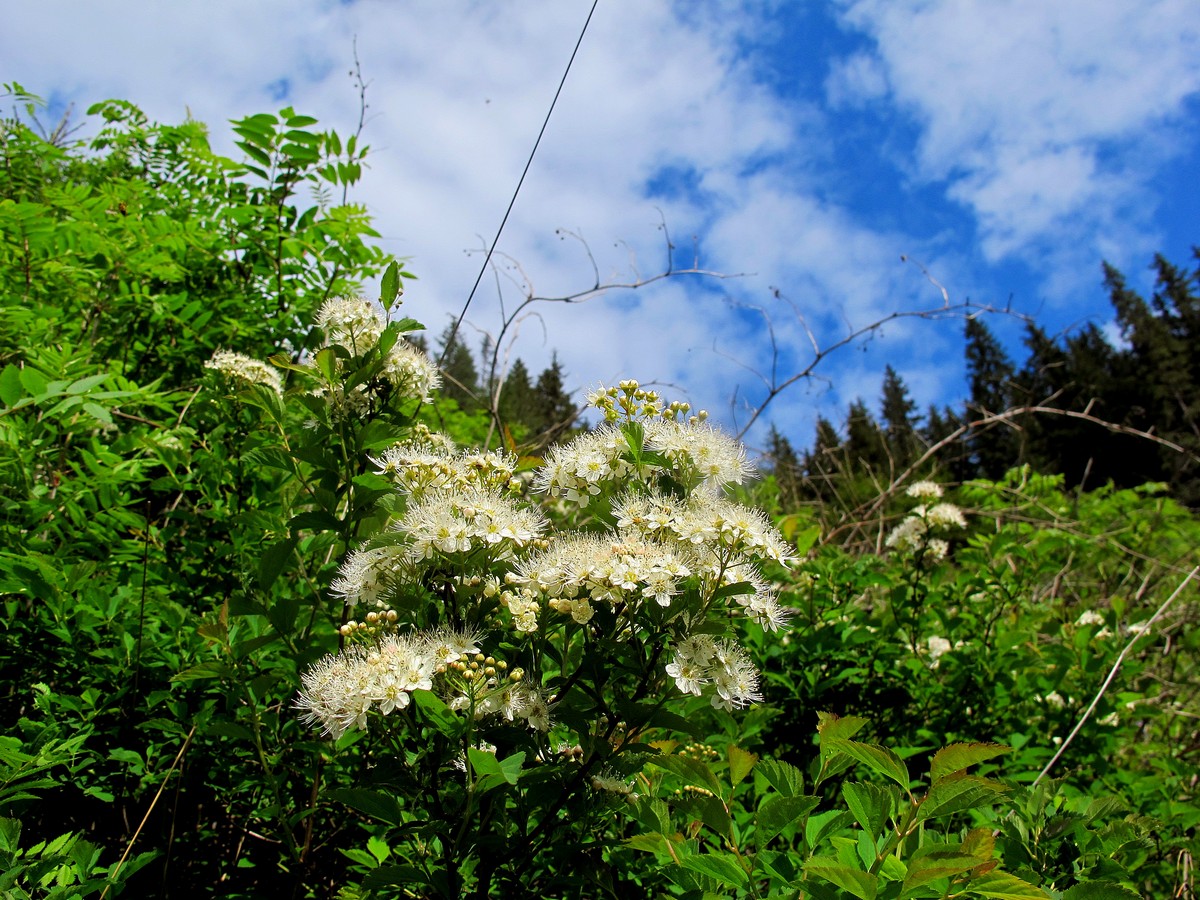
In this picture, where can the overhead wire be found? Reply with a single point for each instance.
(449, 340)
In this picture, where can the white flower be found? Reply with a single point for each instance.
(578, 471)
(366, 574)
(945, 515)
(938, 646)
(925, 490)
(1090, 617)
(353, 322)
(245, 368)
(700, 660)
(341, 689)
(700, 450)
(450, 523)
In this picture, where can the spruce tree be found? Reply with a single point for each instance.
(460, 377)
(554, 411)
(899, 423)
(994, 450)
(785, 466)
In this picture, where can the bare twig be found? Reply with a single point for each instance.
(1158, 613)
(129, 848)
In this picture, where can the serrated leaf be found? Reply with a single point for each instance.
(940, 863)
(980, 843)
(1003, 886)
(956, 793)
(777, 813)
(861, 884)
(820, 826)
(692, 771)
(740, 763)
(722, 867)
(1100, 890)
(871, 805)
(782, 776)
(957, 757)
(880, 759)
(840, 727)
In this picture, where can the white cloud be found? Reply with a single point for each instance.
(1035, 113)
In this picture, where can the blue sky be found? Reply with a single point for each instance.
(1006, 146)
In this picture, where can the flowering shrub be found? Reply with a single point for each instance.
(509, 639)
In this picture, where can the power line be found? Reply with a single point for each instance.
(487, 259)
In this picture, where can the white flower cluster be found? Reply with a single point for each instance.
(939, 647)
(239, 367)
(341, 689)
(719, 539)
(368, 573)
(701, 659)
(418, 467)
(461, 522)
(731, 531)
(917, 533)
(576, 572)
(580, 470)
(357, 324)
(487, 691)
(698, 451)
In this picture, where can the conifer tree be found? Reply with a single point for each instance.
(866, 447)
(990, 372)
(516, 397)
(460, 377)
(899, 423)
(785, 466)
(553, 410)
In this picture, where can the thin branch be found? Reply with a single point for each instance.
(1158, 613)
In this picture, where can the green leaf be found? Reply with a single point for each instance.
(436, 713)
(782, 776)
(880, 759)
(692, 771)
(11, 389)
(940, 862)
(385, 876)
(1100, 890)
(956, 793)
(740, 763)
(957, 757)
(390, 286)
(1002, 886)
(314, 520)
(840, 727)
(326, 362)
(33, 381)
(777, 813)
(820, 826)
(274, 558)
(372, 803)
(861, 884)
(709, 810)
(871, 805)
(210, 669)
(723, 867)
